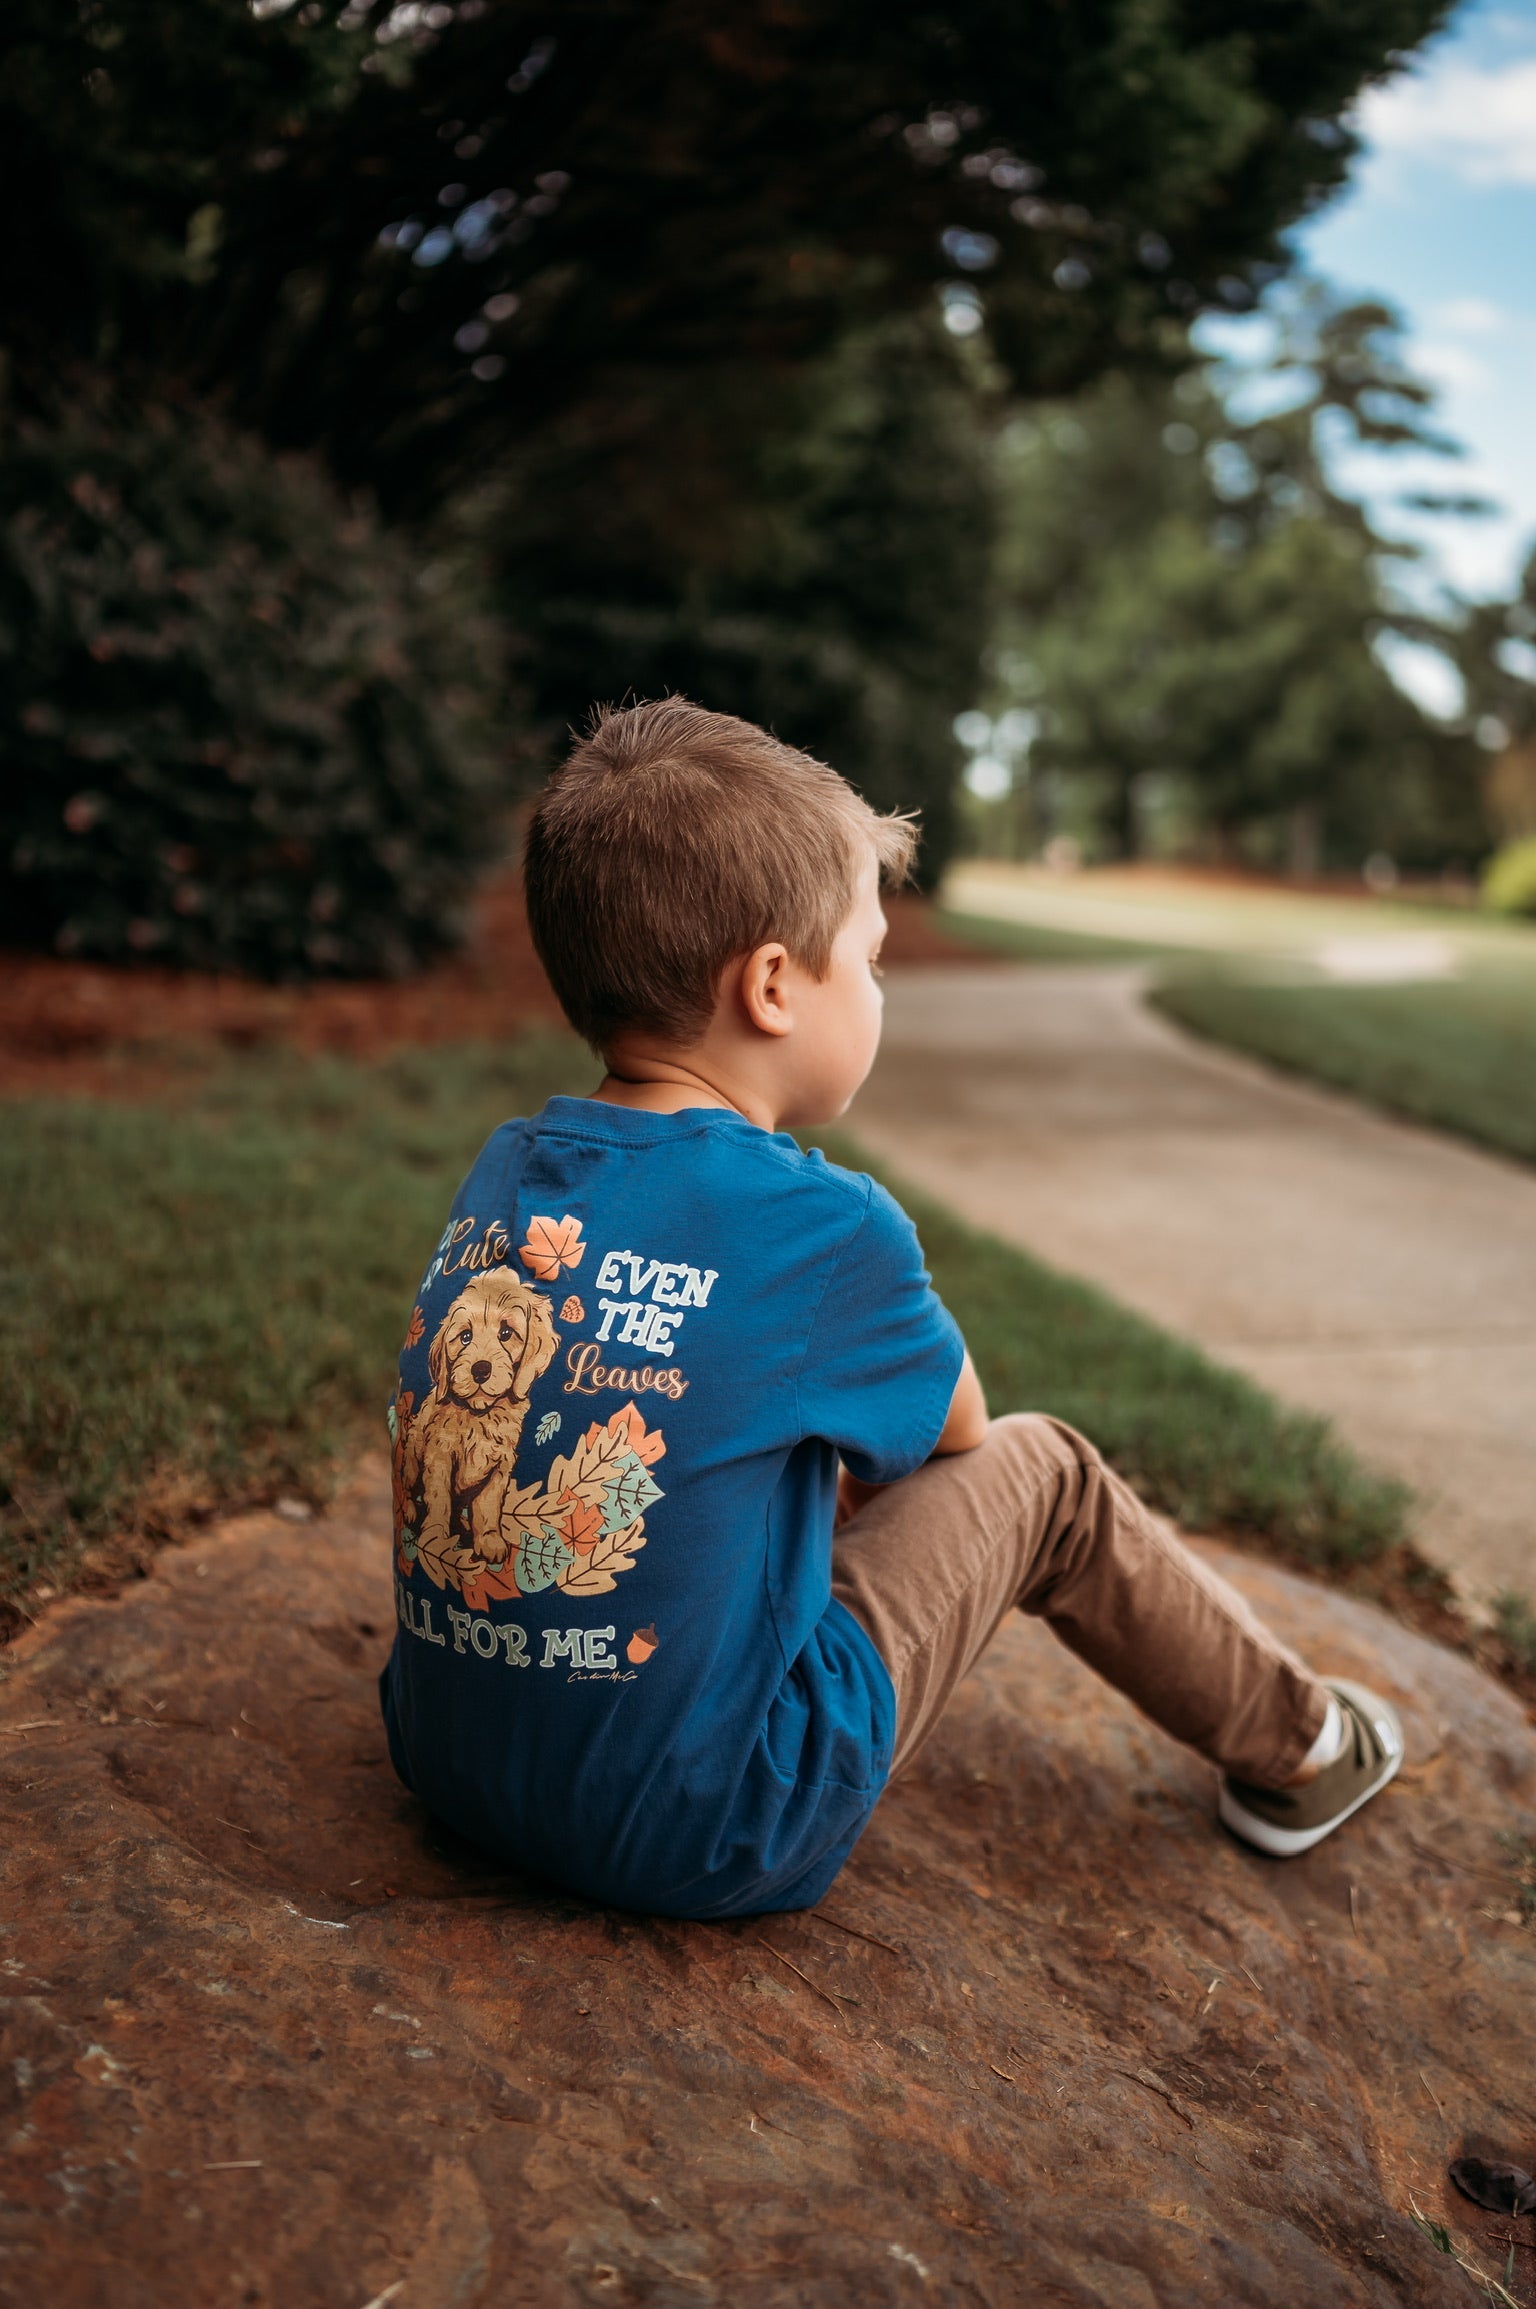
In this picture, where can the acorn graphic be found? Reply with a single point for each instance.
(640, 1646)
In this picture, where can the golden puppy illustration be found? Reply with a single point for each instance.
(493, 1343)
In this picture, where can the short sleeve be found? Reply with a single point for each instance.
(884, 1352)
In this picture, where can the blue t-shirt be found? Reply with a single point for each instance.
(642, 1346)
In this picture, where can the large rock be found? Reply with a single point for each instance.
(1053, 2038)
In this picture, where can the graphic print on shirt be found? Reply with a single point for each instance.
(551, 1245)
(459, 1511)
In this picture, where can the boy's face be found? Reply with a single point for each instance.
(838, 1018)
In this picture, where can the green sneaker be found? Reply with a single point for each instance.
(1285, 1821)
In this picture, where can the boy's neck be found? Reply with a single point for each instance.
(656, 1085)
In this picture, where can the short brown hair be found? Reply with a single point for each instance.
(673, 840)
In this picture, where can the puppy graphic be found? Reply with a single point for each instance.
(493, 1343)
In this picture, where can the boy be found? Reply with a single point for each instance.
(699, 1516)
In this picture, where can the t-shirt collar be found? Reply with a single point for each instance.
(598, 1118)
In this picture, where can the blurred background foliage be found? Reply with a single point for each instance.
(242, 726)
(829, 362)
(847, 597)
(1190, 619)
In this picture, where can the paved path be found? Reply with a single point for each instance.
(1354, 1265)
(1336, 935)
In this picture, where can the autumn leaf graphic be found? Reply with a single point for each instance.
(400, 1489)
(631, 1492)
(573, 1311)
(579, 1530)
(551, 1245)
(589, 1471)
(549, 1425)
(630, 1433)
(541, 1559)
(525, 1510)
(436, 1560)
(582, 1527)
(483, 1586)
(594, 1574)
(415, 1327)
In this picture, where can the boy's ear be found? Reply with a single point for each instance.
(763, 988)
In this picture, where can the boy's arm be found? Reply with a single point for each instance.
(962, 1431)
(967, 1421)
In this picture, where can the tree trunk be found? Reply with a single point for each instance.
(1122, 817)
(1304, 843)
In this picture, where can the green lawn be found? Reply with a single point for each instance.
(203, 1298)
(1459, 1053)
(1039, 942)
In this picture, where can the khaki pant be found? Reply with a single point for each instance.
(1034, 1520)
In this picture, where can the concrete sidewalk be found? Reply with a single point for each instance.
(1354, 1265)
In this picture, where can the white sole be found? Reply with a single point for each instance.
(1285, 1843)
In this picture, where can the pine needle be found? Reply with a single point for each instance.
(805, 1976)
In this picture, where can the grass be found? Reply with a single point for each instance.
(1440, 2237)
(1458, 1053)
(203, 1297)
(1514, 1623)
(1520, 1856)
(1034, 942)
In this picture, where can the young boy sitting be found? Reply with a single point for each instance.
(699, 1515)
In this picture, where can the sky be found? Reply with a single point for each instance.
(1439, 220)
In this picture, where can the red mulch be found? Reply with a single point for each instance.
(97, 1029)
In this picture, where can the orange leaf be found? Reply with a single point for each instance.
(573, 1311)
(581, 1528)
(415, 1327)
(481, 1586)
(551, 1245)
(628, 1424)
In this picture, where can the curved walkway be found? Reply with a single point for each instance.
(1356, 1266)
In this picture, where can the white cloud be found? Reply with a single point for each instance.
(1479, 122)
(1470, 317)
(1496, 361)
(1451, 365)
(1423, 674)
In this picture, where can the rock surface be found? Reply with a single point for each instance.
(1052, 2038)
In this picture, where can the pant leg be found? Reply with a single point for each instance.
(1034, 1520)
